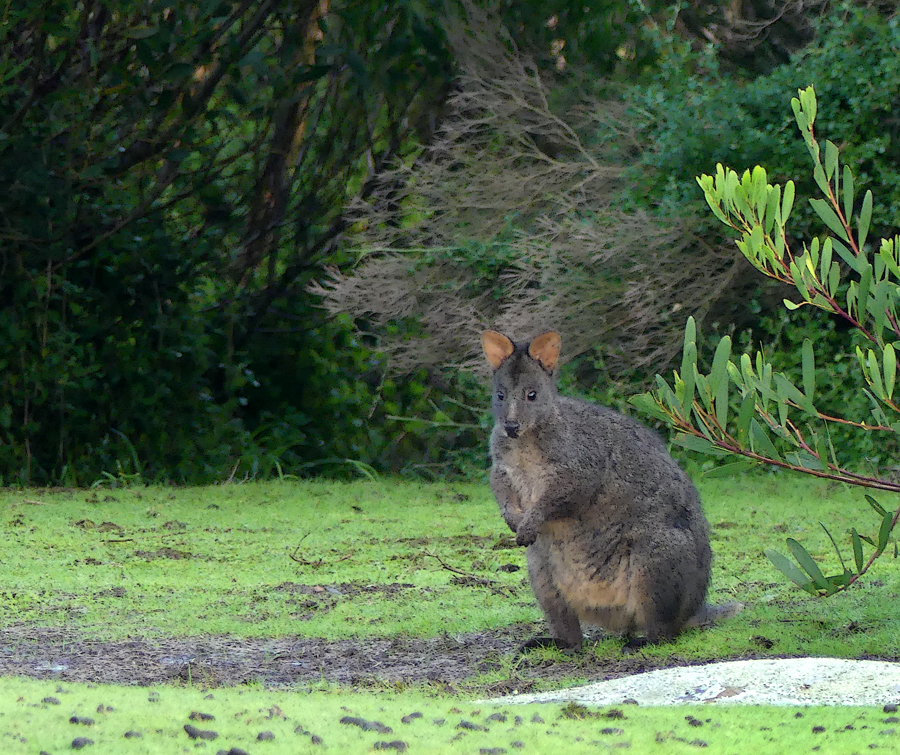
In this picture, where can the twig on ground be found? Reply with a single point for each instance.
(315, 564)
(491, 584)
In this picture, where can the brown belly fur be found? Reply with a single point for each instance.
(612, 598)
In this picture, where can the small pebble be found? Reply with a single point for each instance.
(50, 701)
(612, 730)
(468, 725)
(198, 716)
(891, 720)
(194, 733)
(518, 744)
(501, 717)
(315, 739)
(265, 736)
(818, 729)
(491, 751)
(367, 725)
(84, 720)
(133, 735)
(536, 719)
(80, 742)
(890, 708)
(411, 717)
(699, 743)
(397, 744)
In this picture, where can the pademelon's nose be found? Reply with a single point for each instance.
(512, 429)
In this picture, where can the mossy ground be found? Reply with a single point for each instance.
(387, 559)
(37, 715)
(340, 560)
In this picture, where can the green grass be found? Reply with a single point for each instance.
(30, 721)
(158, 562)
(217, 560)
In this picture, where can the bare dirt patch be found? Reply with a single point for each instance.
(447, 661)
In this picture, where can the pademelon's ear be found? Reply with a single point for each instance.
(497, 347)
(545, 349)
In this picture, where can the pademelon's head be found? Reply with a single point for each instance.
(524, 380)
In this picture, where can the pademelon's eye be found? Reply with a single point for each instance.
(500, 396)
(531, 395)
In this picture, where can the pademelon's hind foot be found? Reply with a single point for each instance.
(634, 644)
(548, 642)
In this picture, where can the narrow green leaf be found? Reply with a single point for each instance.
(804, 459)
(747, 370)
(787, 202)
(865, 218)
(773, 206)
(667, 394)
(688, 365)
(867, 539)
(836, 549)
(722, 404)
(799, 281)
(865, 286)
(718, 373)
(646, 403)
(808, 98)
(829, 216)
(878, 304)
(701, 445)
(890, 369)
(875, 374)
(818, 172)
(791, 306)
(879, 509)
(703, 391)
(825, 259)
(884, 532)
(809, 369)
(748, 405)
(857, 549)
(789, 391)
(845, 254)
(807, 563)
(834, 279)
(786, 567)
(848, 193)
(761, 442)
(831, 159)
(730, 470)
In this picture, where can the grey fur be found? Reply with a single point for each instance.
(614, 529)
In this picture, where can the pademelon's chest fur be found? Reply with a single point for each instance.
(526, 465)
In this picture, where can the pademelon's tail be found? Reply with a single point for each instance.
(709, 615)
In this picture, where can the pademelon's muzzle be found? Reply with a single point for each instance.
(512, 429)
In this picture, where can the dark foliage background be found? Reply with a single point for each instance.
(175, 179)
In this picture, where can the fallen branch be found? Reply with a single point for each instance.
(492, 584)
(314, 564)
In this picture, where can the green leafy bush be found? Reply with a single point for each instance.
(780, 421)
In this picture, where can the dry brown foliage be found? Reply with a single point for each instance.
(622, 281)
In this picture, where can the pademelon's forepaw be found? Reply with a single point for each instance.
(527, 533)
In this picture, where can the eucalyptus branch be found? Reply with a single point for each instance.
(697, 405)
